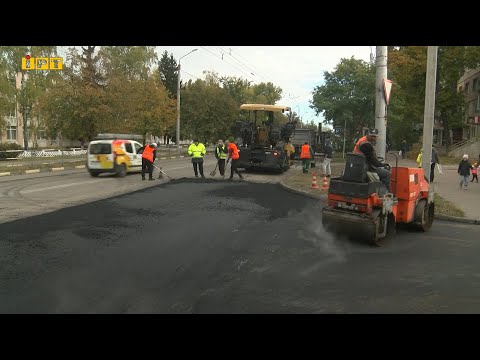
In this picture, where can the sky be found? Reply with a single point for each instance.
(295, 69)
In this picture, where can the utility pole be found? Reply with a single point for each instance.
(179, 147)
(429, 111)
(178, 103)
(344, 136)
(380, 103)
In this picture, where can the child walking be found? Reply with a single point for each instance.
(475, 171)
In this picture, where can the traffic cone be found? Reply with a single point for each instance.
(314, 181)
(324, 183)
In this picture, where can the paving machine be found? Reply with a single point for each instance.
(360, 206)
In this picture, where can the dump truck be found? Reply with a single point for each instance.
(314, 137)
(260, 141)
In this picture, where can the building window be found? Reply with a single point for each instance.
(466, 87)
(472, 108)
(12, 133)
(475, 87)
(460, 88)
(478, 102)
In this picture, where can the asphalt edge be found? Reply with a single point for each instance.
(52, 169)
(437, 216)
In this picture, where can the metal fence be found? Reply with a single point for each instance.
(10, 159)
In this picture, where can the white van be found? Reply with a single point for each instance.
(118, 156)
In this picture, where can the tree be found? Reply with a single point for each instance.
(266, 93)
(348, 96)
(208, 111)
(168, 73)
(239, 89)
(151, 109)
(133, 62)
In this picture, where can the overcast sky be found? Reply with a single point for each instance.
(296, 69)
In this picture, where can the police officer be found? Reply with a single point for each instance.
(197, 151)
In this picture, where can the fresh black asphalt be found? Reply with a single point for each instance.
(193, 246)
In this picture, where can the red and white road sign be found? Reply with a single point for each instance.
(387, 88)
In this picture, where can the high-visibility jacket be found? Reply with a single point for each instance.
(197, 151)
(148, 153)
(305, 153)
(233, 151)
(360, 142)
(220, 151)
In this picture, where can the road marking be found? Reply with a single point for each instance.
(182, 156)
(5, 173)
(172, 157)
(163, 158)
(80, 167)
(32, 171)
(58, 169)
(59, 186)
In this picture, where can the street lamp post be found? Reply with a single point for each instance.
(178, 104)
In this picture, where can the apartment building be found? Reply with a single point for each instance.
(13, 132)
(469, 83)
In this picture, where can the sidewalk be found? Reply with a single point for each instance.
(447, 185)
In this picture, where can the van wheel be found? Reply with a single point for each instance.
(121, 170)
(93, 173)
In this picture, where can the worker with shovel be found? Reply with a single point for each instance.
(221, 152)
(148, 158)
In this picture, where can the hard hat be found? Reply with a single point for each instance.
(154, 144)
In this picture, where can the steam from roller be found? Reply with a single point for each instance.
(311, 230)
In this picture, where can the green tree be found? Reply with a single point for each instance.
(347, 97)
(208, 111)
(168, 73)
(266, 93)
(133, 62)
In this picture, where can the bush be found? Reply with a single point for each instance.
(9, 146)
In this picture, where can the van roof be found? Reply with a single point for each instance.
(112, 136)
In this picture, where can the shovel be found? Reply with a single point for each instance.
(214, 171)
(161, 173)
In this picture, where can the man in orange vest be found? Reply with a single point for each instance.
(233, 153)
(148, 158)
(365, 146)
(306, 154)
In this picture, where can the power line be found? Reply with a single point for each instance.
(240, 62)
(189, 74)
(204, 48)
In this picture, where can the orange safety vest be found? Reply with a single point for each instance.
(305, 154)
(148, 153)
(233, 150)
(360, 142)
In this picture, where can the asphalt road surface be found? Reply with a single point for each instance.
(193, 246)
(26, 195)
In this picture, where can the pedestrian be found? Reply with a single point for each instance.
(148, 158)
(328, 151)
(475, 171)
(306, 155)
(221, 152)
(403, 148)
(365, 146)
(435, 160)
(234, 155)
(464, 171)
(197, 151)
(419, 158)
